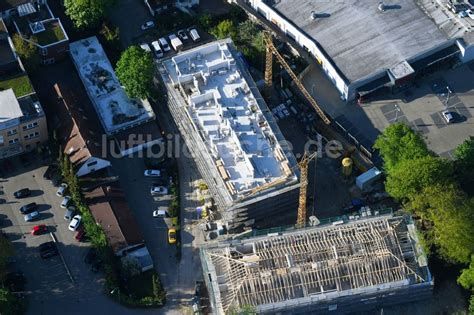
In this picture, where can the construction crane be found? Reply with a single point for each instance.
(303, 165)
(272, 50)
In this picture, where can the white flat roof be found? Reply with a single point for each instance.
(115, 109)
(9, 106)
(228, 117)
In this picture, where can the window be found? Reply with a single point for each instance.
(11, 132)
(13, 141)
(91, 163)
(1, 140)
(30, 125)
(32, 135)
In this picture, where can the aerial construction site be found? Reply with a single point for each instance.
(235, 141)
(347, 266)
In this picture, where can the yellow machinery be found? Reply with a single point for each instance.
(303, 165)
(271, 50)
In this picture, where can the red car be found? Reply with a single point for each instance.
(80, 235)
(39, 229)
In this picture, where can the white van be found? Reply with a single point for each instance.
(194, 34)
(161, 212)
(176, 43)
(157, 49)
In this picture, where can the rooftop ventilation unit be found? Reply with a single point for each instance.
(37, 27)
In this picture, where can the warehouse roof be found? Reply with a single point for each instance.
(361, 39)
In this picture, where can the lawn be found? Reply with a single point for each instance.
(142, 285)
(21, 85)
(52, 33)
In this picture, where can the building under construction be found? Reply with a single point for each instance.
(233, 137)
(342, 267)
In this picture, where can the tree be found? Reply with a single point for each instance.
(224, 29)
(205, 21)
(398, 142)
(87, 13)
(27, 52)
(409, 177)
(135, 72)
(110, 34)
(466, 279)
(464, 154)
(451, 214)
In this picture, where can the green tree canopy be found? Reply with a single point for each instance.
(464, 154)
(409, 177)
(466, 279)
(398, 142)
(87, 13)
(452, 216)
(135, 72)
(27, 52)
(224, 29)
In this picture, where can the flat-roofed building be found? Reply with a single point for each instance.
(238, 147)
(365, 45)
(339, 268)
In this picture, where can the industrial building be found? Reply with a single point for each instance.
(341, 267)
(235, 141)
(366, 45)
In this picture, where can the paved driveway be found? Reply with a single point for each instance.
(129, 15)
(49, 289)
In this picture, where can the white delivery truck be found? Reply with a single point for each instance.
(176, 43)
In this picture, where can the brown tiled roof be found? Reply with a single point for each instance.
(79, 130)
(110, 209)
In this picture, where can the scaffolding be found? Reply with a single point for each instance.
(360, 257)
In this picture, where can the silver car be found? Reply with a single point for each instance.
(31, 216)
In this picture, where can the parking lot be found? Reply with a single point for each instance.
(420, 106)
(49, 289)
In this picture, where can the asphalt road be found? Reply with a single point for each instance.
(49, 289)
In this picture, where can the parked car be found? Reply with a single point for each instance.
(53, 251)
(28, 208)
(164, 44)
(462, 14)
(161, 212)
(157, 49)
(194, 34)
(31, 216)
(145, 47)
(470, 13)
(90, 256)
(75, 222)
(152, 173)
(448, 116)
(182, 34)
(172, 236)
(56, 178)
(61, 190)
(46, 246)
(80, 235)
(176, 43)
(158, 190)
(69, 214)
(66, 202)
(48, 249)
(22, 193)
(39, 229)
(148, 25)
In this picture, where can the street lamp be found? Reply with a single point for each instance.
(447, 96)
(397, 111)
